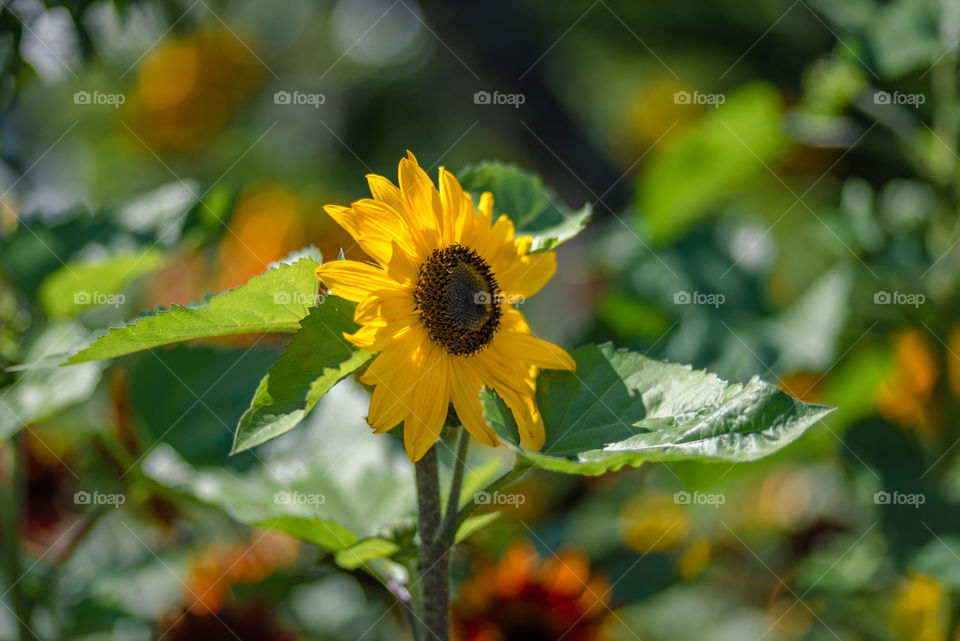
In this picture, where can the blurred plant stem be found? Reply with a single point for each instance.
(12, 498)
(434, 563)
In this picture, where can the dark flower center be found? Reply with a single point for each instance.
(458, 299)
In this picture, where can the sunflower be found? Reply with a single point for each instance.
(438, 306)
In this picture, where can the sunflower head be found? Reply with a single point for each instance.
(436, 304)
(520, 597)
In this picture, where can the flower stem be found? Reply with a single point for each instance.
(434, 563)
(456, 483)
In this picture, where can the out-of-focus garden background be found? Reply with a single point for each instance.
(775, 192)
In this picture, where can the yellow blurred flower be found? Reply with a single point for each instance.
(906, 394)
(189, 87)
(694, 559)
(653, 523)
(921, 610)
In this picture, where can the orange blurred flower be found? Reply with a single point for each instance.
(520, 597)
(221, 566)
(265, 227)
(905, 395)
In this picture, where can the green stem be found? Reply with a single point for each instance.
(434, 562)
(12, 502)
(456, 483)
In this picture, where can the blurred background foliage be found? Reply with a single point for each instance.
(775, 193)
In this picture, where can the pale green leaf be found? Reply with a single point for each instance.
(78, 286)
(622, 408)
(686, 180)
(363, 552)
(474, 524)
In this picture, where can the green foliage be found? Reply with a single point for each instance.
(42, 389)
(317, 357)
(709, 162)
(622, 408)
(533, 208)
(274, 301)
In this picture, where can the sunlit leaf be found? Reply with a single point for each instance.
(274, 301)
(316, 358)
(622, 408)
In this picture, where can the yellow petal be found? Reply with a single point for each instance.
(527, 275)
(385, 305)
(459, 215)
(465, 387)
(534, 351)
(353, 280)
(430, 400)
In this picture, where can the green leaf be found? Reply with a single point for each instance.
(274, 301)
(364, 552)
(710, 161)
(82, 285)
(534, 209)
(42, 389)
(622, 408)
(316, 358)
